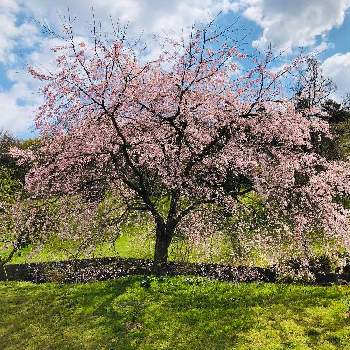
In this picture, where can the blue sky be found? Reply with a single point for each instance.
(321, 26)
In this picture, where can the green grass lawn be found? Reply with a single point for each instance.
(135, 242)
(173, 313)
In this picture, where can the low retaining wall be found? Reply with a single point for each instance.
(87, 270)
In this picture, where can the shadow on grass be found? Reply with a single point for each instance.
(173, 313)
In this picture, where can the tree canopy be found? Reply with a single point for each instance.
(193, 126)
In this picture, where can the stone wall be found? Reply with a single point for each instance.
(86, 270)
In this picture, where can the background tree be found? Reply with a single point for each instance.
(183, 135)
(313, 90)
(339, 118)
(7, 163)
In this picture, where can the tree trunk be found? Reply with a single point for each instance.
(164, 236)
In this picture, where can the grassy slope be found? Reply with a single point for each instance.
(134, 242)
(174, 313)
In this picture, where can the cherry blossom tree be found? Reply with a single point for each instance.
(198, 128)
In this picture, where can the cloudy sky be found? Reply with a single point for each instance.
(317, 25)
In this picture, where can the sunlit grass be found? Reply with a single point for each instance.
(173, 313)
(135, 241)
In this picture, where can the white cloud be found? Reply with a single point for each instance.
(20, 102)
(12, 34)
(151, 16)
(293, 23)
(17, 108)
(337, 67)
(16, 102)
